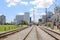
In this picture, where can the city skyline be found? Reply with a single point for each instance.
(11, 8)
(19, 18)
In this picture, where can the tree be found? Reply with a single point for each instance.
(24, 22)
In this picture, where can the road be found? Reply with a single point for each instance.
(31, 33)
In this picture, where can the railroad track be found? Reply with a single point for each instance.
(28, 34)
(51, 33)
(2, 35)
(37, 34)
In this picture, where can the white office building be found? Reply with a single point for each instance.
(24, 17)
(27, 17)
(18, 19)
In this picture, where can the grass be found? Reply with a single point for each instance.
(55, 27)
(7, 27)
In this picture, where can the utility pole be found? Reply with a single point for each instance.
(33, 15)
(54, 18)
(46, 15)
(34, 12)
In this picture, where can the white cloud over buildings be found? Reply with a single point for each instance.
(12, 2)
(37, 3)
(15, 2)
(24, 3)
(42, 3)
(21, 13)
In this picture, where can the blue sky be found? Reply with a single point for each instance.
(11, 8)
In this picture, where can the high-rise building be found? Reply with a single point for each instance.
(48, 17)
(27, 17)
(19, 18)
(30, 20)
(2, 19)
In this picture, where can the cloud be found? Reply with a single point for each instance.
(0, 14)
(40, 14)
(24, 3)
(37, 16)
(20, 13)
(31, 14)
(15, 2)
(42, 3)
(12, 2)
(31, 9)
(43, 13)
(36, 12)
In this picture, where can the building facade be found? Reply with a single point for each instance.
(27, 17)
(18, 19)
(47, 17)
(30, 20)
(2, 19)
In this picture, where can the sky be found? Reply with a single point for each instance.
(11, 8)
